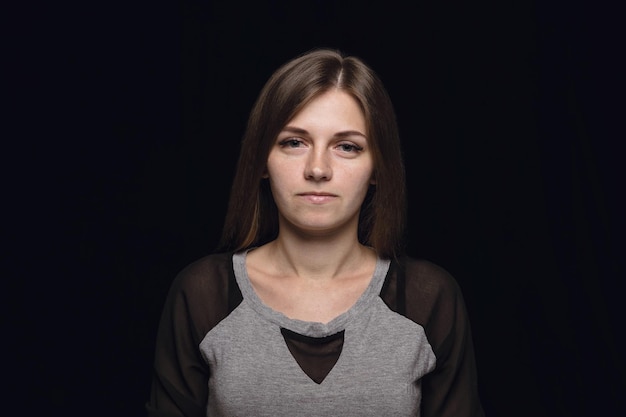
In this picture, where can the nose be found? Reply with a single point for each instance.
(318, 166)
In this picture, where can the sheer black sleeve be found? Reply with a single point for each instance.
(433, 299)
(197, 300)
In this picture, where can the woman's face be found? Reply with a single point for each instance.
(321, 166)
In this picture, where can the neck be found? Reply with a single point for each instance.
(318, 258)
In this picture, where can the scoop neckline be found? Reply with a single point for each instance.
(308, 328)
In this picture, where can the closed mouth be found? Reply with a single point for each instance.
(316, 194)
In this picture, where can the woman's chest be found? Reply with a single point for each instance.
(372, 367)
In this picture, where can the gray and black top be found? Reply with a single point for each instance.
(403, 349)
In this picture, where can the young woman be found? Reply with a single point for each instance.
(310, 307)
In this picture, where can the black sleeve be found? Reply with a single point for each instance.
(434, 300)
(196, 302)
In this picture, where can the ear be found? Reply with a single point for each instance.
(373, 180)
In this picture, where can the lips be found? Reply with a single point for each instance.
(317, 193)
(318, 197)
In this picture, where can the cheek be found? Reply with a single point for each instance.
(276, 164)
(357, 184)
(279, 172)
(281, 179)
(362, 175)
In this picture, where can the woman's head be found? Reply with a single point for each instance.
(252, 217)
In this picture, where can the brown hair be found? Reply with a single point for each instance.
(252, 217)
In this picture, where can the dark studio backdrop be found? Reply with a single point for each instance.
(131, 116)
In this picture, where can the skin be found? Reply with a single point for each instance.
(319, 171)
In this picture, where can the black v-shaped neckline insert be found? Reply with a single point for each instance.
(316, 356)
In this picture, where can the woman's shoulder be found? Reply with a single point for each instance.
(431, 290)
(209, 273)
(220, 262)
(203, 292)
(428, 275)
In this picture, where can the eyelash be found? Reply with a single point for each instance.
(289, 141)
(292, 142)
(353, 147)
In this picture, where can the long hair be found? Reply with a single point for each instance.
(252, 216)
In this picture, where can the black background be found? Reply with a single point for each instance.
(127, 120)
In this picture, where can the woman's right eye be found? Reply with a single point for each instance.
(290, 143)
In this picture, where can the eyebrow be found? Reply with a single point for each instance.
(342, 134)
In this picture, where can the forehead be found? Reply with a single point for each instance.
(334, 107)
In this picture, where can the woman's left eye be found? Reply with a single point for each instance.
(349, 147)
